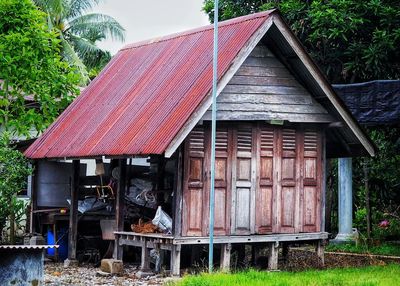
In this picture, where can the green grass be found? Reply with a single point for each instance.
(383, 249)
(366, 276)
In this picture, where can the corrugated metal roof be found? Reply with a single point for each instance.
(28, 246)
(143, 97)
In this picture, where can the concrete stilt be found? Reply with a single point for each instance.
(345, 201)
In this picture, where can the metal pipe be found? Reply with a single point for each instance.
(213, 135)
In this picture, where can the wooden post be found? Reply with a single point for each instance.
(119, 206)
(273, 255)
(320, 249)
(145, 260)
(175, 260)
(177, 225)
(225, 262)
(73, 212)
(367, 199)
(32, 190)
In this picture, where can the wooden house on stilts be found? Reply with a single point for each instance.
(278, 120)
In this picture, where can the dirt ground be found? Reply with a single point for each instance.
(297, 260)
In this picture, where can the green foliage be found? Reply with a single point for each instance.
(80, 30)
(36, 85)
(350, 40)
(373, 275)
(14, 170)
(383, 249)
(384, 185)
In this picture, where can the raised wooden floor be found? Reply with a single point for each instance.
(172, 243)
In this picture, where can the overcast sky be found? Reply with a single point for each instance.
(151, 18)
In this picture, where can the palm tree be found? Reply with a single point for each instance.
(80, 31)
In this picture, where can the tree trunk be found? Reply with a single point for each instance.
(367, 199)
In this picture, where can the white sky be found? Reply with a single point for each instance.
(151, 18)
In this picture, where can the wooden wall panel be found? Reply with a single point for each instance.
(194, 194)
(266, 138)
(311, 181)
(264, 89)
(267, 180)
(242, 180)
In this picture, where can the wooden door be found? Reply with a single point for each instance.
(266, 148)
(195, 184)
(311, 185)
(243, 180)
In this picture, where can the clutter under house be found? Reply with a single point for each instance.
(128, 163)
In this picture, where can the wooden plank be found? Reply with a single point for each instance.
(263, 71)
(272, 108)
(73, 212)
(261, 51)
(178, 196)
(119, 206)
(273, 256)
(265, 89)
(268, 62)
(267, 115)
(145, 257)
(33, 197)
(263, 98)
(206, 103)
(176, 260)
(263, 80)
(253, 238)
(320, 249)
(225, 261)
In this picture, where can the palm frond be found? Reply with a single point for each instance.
(56, 9)
(79, 7)
(72, 57)
(89, 52)
(103, 26)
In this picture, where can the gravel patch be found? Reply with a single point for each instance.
(87, 275)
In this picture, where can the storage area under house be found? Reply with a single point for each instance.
(278, 121)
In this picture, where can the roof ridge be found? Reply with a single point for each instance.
(229, 22)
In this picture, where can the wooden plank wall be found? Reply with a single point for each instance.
(264, 89)
(268, 179)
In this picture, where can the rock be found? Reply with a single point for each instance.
(103, 274)
(143, 274)
(70, 263)
(112, 266)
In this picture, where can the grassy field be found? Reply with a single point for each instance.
(366, 276)
(383, 249)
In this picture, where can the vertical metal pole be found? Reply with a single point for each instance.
(213, 133)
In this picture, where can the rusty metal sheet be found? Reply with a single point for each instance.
(144, 96)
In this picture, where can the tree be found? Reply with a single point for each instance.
(80, 31)
(14, 170)
(35, 83)
(351, 40)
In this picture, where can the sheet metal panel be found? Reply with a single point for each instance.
(144, 96)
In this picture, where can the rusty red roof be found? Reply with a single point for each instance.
(144, 96)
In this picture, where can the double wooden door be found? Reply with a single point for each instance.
(267, 180)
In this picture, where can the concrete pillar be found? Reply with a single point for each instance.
(345, 200)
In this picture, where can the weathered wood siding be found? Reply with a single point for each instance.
(264, 89)
(267, 180)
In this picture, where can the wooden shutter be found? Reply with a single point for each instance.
(286, 190)
(312, 165)
(195, 184)
(222, 181)
(243, 180)
(265, 188)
